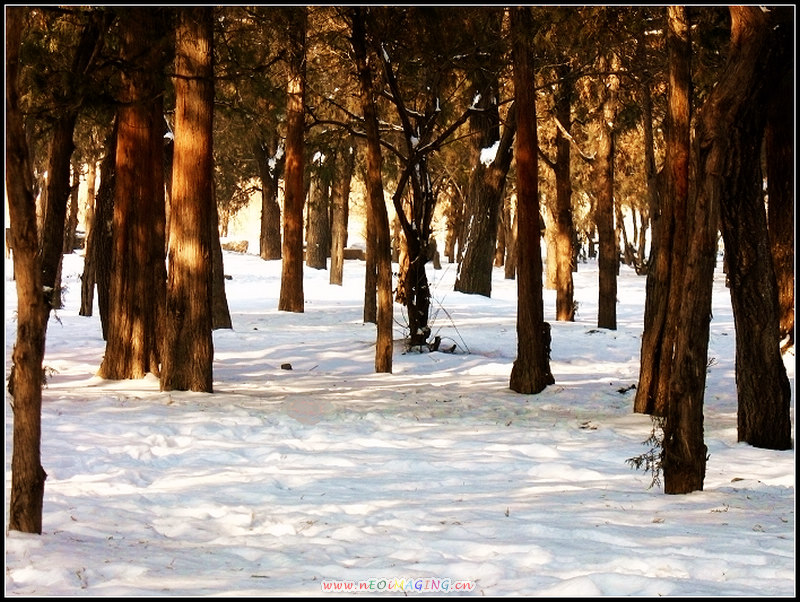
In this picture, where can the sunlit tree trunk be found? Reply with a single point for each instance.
(340, 196)
(25, 382)
(88, 277)
(138, 268)
(376, 203)
(318, 223)
(531, 370)
(291, 294)
(188, 345)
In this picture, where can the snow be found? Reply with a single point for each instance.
(488, 154)
(436, 478)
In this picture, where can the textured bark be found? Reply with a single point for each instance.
(220, 313)
(138, 268)
(483, 205)
(665, 278)
(377, 205)
(291, 294)
(608, 252)
(103, 218)
(757, 62)
(318, 228)
(531, 370)
(340, 197)
(188, 346)
(88, 276)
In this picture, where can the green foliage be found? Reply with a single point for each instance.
(651, 460)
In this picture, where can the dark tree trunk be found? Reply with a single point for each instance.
(608, 252)
(318, 229)
(564, 226)
(25, 381)
(220, 313)
(511, 240)
(340, 197)
(188, 346)
(482, 208)
(138, 268)
(291, 294)
(756, 66)
(668, 256)
(70, 232)
(269, 166)
(376, 203)
(779, 143)
(102, 244)
(531, 370)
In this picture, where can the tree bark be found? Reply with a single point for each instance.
(269, 157)
(291, 294)
(608, 252)
(25, 382)
(340, 197)
(757, 63)
(318, 227)
(220, 313)
(377, 205)
(531, 370)
(188, 346)
(102, 245)
(665, 276)
(88, 277)
(138, 268)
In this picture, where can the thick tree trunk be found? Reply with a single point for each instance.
(779, 144)
(608, 252)
(25, 381)
(103, 219)
(138, 269)
(340, 197)
(531, 370)
(291, 294)
(188, 346)
(377, 205)
(756, 66)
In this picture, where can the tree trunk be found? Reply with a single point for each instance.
(757, 64)
(318, 229)
(668, 255)
(531, 370)
(188, 345)
(608, 252)
(71, 227)
(269, 157)
(340, 198)
(291, 294)
(138, 268)
(564, 225)
(779, 143)
(220, 313)
(376, 203)
(102, 245)
(25, 381)
(510, 269)
(88, 276)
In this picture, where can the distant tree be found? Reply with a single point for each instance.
(291, 292)
(759, 59)
(340, 196)
(531, 370)
(318, 228)
(377, 216)
(25, 381)
(188, 350)
(138, 271)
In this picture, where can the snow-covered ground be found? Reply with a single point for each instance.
(436, 478)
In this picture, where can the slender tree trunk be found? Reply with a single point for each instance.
(511, 241)
(608, 252)
(188, 346)
(220, 313)
(25, 381)
(340, 196)
(531, 370)
(102, 245)
(138, 270)
(756, 66)
(318, 224)
(88, 276)
(564, 226)
(377, 204)
(71, 227)
(668, 256)
(291, 294)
